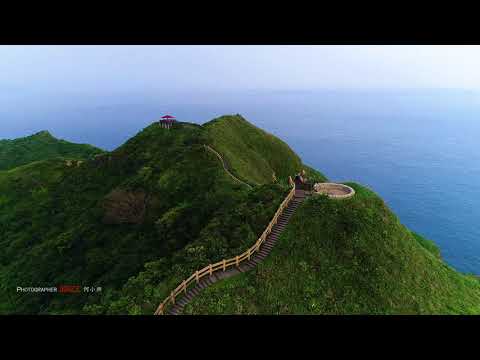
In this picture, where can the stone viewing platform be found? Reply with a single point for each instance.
(333, 190)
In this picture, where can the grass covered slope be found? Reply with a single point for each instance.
(133, 221)
(252, 154)
(346, 257)
(41, 146)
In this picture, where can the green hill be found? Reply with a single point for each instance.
(159, 201)
(138, 220)
(40, 146)
(253, 154)
(349, 256)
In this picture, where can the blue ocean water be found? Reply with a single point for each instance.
(418, 150)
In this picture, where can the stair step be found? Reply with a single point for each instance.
(195, 291)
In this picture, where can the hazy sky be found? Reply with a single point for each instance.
(113, 69)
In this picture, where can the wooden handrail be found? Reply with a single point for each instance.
(225, 263)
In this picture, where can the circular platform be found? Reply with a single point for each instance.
(333, 190)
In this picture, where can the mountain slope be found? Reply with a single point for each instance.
(347, 256)
(254, 155)
(160, 198)
(41, 146)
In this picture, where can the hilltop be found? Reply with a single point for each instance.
(254, 155)
(161, 198)
(350, 256)
(41, 146)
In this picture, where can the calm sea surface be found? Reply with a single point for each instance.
(419, 150)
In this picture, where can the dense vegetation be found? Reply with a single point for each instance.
(138, 220)
(133, 222)
(40, 146)
(349, 256)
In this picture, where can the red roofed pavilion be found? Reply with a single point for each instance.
(167, 121)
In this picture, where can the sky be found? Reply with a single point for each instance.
(103, 70)
(76, 92)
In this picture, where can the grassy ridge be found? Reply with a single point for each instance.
(253, 154)
(41, 146)
(346, 257)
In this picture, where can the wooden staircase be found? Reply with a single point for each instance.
(257, 258)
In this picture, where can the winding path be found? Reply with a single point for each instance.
(245, 266)
(225, 166)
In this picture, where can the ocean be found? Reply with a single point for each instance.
(418, 149)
